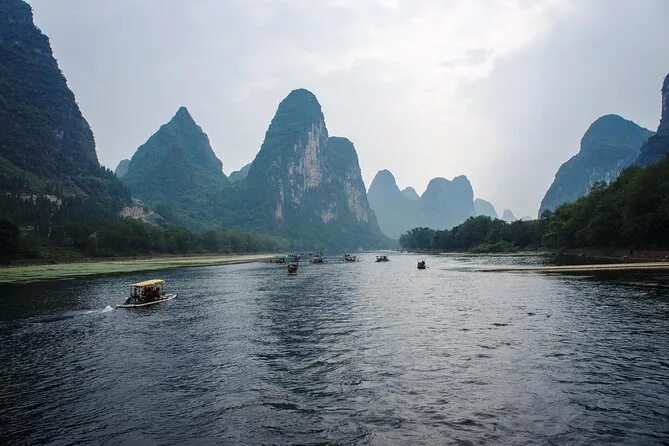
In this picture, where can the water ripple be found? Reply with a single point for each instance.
(359, 353)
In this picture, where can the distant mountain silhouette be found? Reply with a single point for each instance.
(444, 204)
(410, 193)
(122, 168)
(483, 207)
(508, 216)
(396, 213)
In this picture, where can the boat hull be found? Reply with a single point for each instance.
(146, 304)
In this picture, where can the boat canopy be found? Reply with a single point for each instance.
(148, 283)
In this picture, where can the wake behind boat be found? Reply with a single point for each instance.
(147, 293)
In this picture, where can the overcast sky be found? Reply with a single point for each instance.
(500, 91)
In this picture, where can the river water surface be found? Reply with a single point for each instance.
(361, 353)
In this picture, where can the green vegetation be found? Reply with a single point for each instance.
(33, 273)
(304, 185)
(632, 212)
(177, 173)
(55, 238)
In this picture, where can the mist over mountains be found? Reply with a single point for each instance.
(303, 185)
(444, 204)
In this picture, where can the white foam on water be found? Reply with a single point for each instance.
(107, 309)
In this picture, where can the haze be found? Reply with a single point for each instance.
(499, 91)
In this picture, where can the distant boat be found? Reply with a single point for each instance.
(382, 259)
(317, 259)
(278, 260)
(422, 264)
(292, 268)
(147, 293)
(350, 258)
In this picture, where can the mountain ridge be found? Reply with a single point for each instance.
(177, 172)
(46, 145)
(609, 145)
(444, 204)
(306, 184)
(657, 145)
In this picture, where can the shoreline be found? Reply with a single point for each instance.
(591, 255)
(639, 266)
(23, 274)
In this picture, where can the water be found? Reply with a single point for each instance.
(359, 353)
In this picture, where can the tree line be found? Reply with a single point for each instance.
(39, 226)
(632, 212)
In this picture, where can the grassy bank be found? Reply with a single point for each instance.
(71, 270)
(641, 266)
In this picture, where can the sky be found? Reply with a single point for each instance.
(499, 91)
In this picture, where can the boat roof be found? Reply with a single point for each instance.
(148, 283)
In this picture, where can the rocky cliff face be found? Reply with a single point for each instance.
(306, 184)
(46, 144)
(658, 145)
(42, 129)
(122, 168)
(443, 205)
(607, 147)
(177, 172)
(483, 207)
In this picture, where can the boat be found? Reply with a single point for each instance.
(147, 293)
(422, 264)
(382, 259)
(278, 260)
(350, 258)
(292, 268)
(317, 259)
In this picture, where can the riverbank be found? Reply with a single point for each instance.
(72, 270)
(580, 255)
(617, 254)
(639, 266)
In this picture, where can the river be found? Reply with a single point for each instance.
(364, 353)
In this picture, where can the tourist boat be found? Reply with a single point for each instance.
(382, 259)
(146, 293)
(292, 268)
(350, 258)
(422, 264)
(317, 259)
